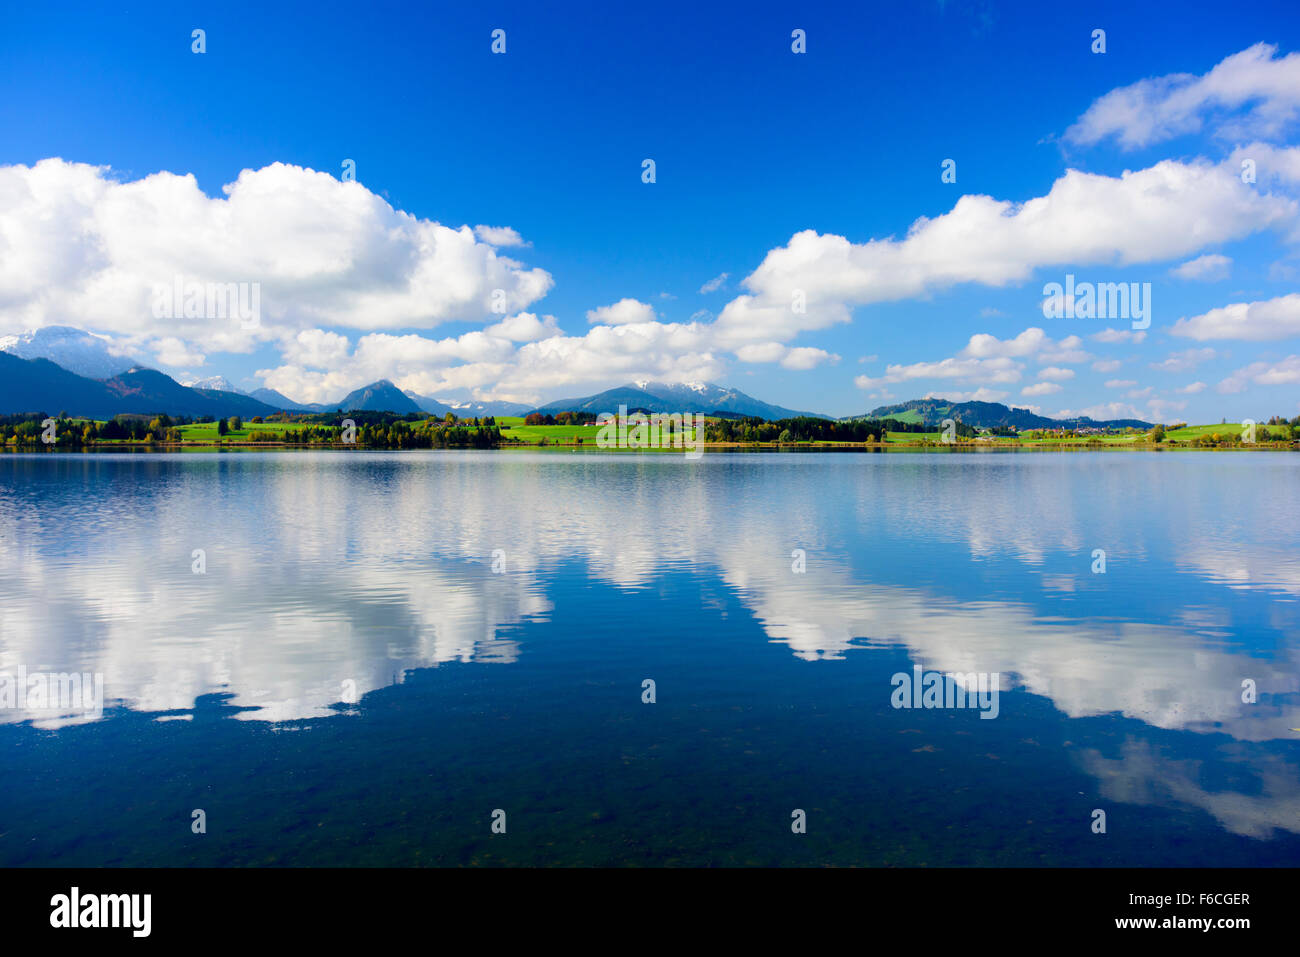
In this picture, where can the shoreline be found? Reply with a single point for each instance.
(707, 446)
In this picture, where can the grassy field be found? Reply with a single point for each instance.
(910, 416)
(512, 427)
(1079, 440)
(207, 431)
(1192, 431)
(552, 433)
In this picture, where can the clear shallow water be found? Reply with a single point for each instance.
(229, 690)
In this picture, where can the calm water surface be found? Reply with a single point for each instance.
(384, 648)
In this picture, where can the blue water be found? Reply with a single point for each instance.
(354, 678)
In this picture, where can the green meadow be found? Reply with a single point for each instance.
(207, 431)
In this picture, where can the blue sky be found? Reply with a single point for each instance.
(752, 143)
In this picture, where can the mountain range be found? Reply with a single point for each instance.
(83, 353)
(987, 415)
(59, 368)
(39, 385)
(675, 397)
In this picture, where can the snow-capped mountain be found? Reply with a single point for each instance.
(211, 382)
(675, 397)
(83, 353)
(466, 408)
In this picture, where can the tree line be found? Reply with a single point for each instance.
(810, 429)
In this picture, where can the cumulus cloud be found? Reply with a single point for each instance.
(1106, 365)
(1194, 388)
(1041, 388)
(1211, 267)
(490, 365)
(1169, 210)
(315, 347)
(1250, 321)
(622, 313)
(1251, 93)
(988, 359)
(525, 327)
(1120, 383)
(80, 246)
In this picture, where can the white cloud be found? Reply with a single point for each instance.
(1194, 389)
(315, 347)
(1211, 267)
(806, 357)
(80, 247)
(1041, 388)
(524, 327)
(801, 358)
(1160, 108)
(982, 345)
(1286, 372)
(621, 313)
(1106, 365)
(1120, 383)
(1032, 342)
(1170, 210)
(714, 284)
(490, 365)
(1185, 360)
(499, 236)
(987, 359)
(761, 352)
(171, 351)
(1055, 373)
(990, 370)
(1253, 322)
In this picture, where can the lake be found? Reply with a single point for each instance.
(373, 658)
